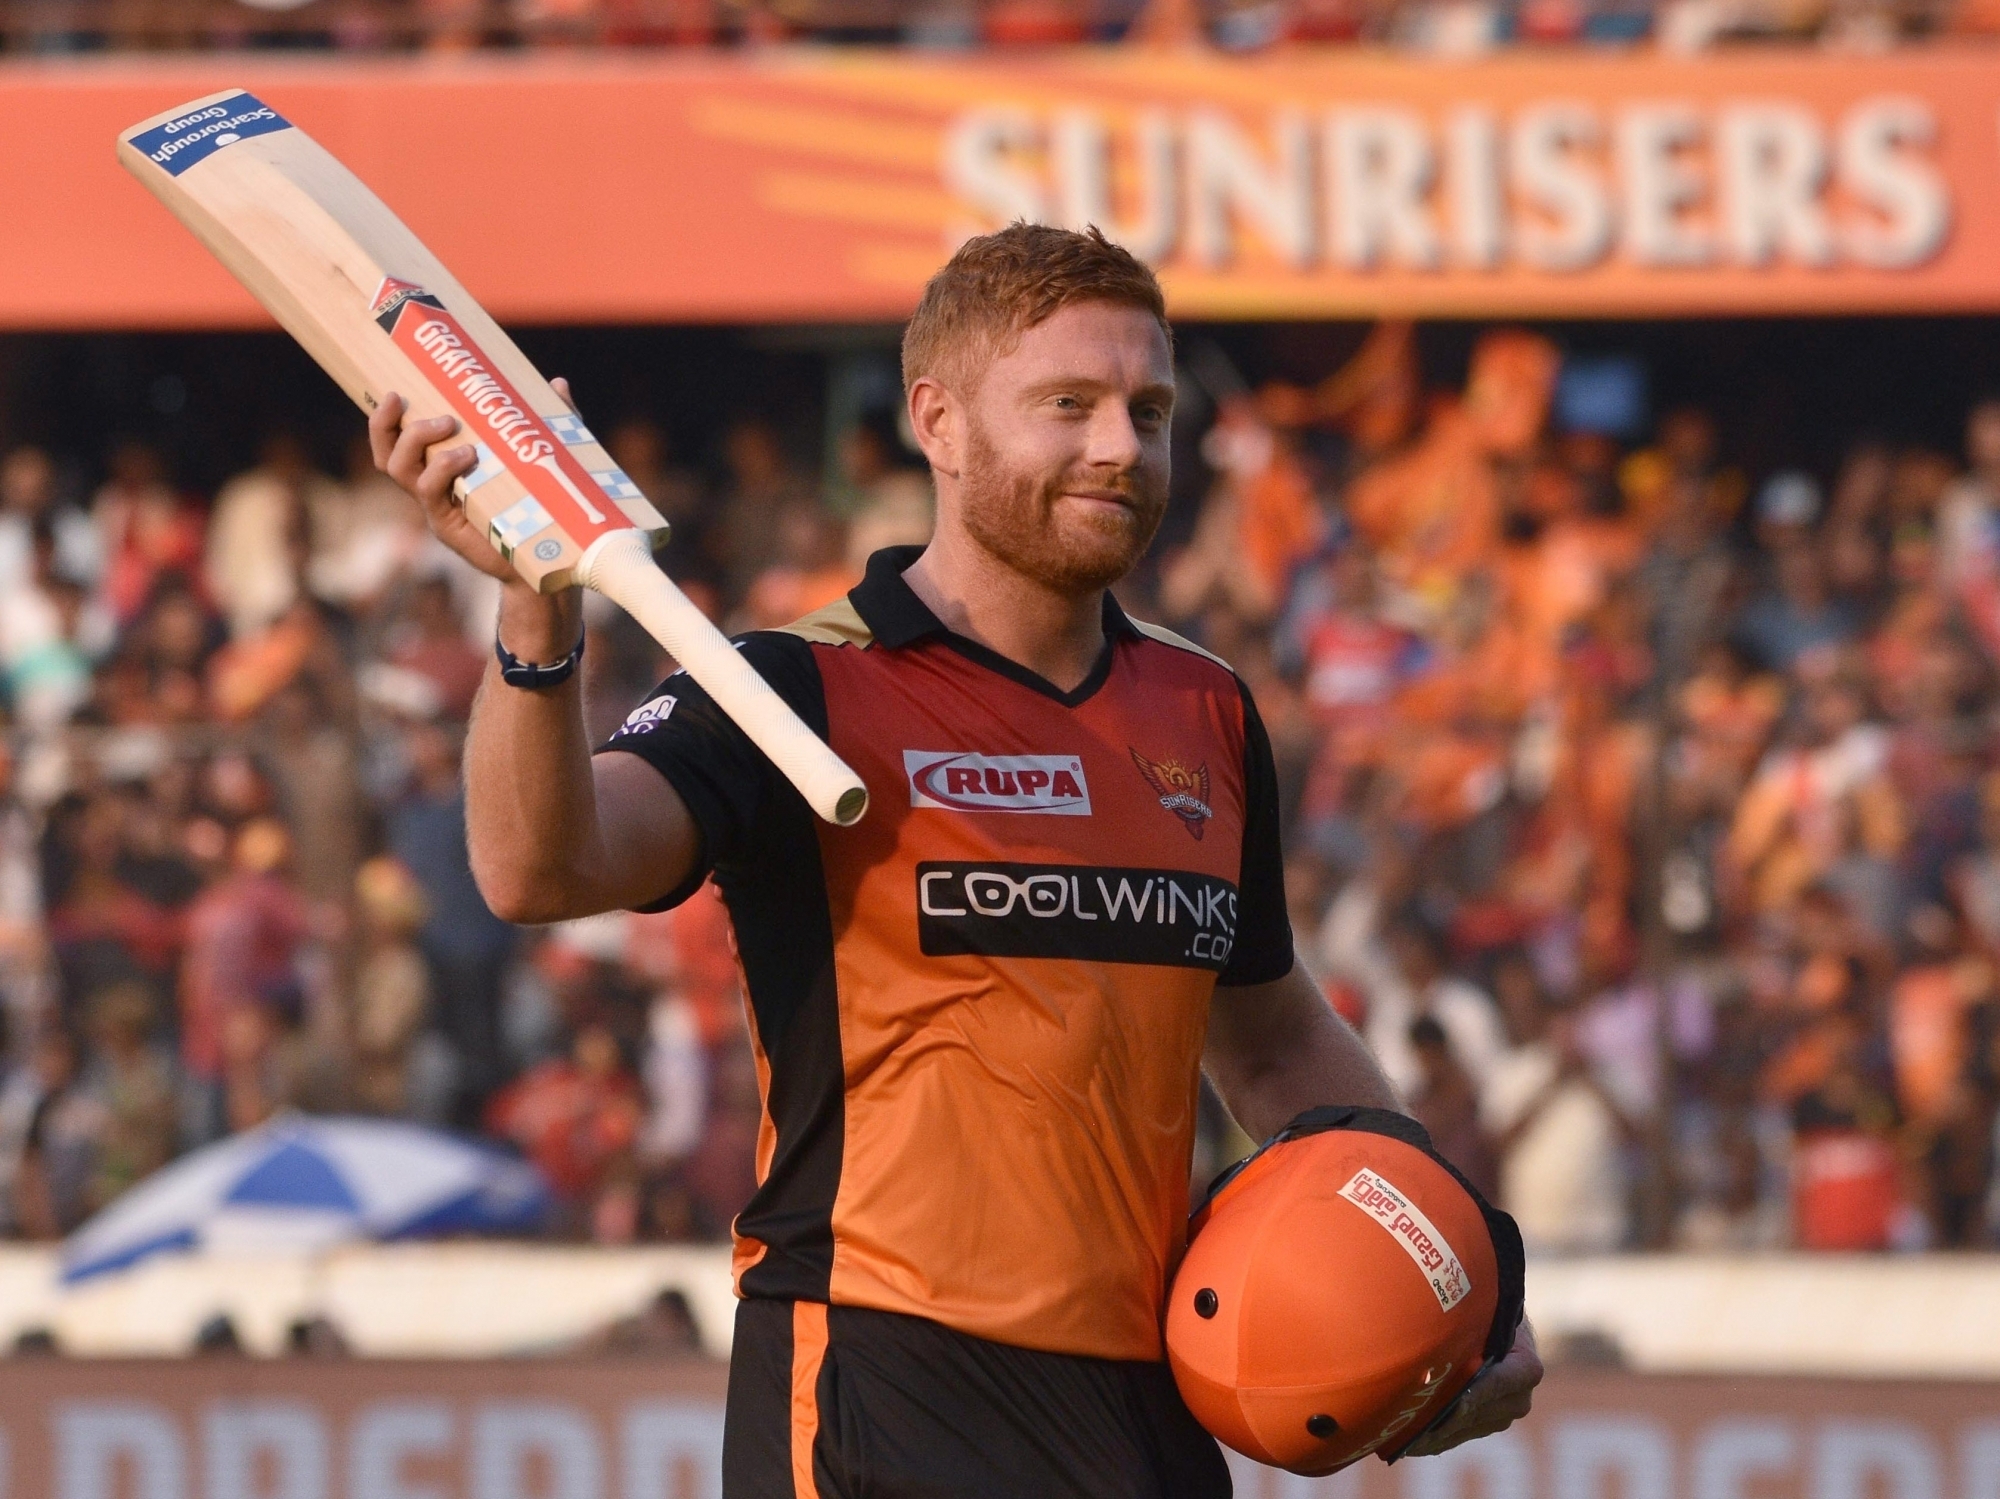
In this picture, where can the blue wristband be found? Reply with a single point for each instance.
(525, 674)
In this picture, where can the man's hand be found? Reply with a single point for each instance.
(536, 627)
(400, 447)
(1495, 1401)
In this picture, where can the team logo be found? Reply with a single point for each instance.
(965, 782)
(1181, 791)
(649, 716)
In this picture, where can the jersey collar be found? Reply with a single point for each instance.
(896, 617)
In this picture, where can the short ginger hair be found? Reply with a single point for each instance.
(1000, 285)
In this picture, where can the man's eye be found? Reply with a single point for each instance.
(1068, 403)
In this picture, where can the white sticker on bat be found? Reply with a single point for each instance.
(518, 522)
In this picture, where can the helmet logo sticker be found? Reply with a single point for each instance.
(1421, 1241)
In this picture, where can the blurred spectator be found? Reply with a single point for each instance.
(1847, 1180)
(1797, 613)
(465, 944)
(577, 1118)
(299, 645)
(1560, 1133)
(392, 985)
(158, 672)
(642, 450)
(665, 1328)
(1259, 521)
(762, 486)
(1446, 1103)
(1439, 28)
(41, 638)
(241, 984)
(1701, 788)
(317, 1336)
(130, 1082)
(721, 1174)
(258, 535)
(808, 570)
(32, 501)
(105, 924)
(364, 535)
(1820, 808)
(145, 532)
(429, 641)
(47, 1134)
(1422, 983)
(888, 501)
(218, 1338)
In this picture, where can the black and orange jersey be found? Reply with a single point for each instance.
(979, 1012)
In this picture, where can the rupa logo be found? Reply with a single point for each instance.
(964, 782)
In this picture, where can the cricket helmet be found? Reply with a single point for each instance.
(1342, 1287)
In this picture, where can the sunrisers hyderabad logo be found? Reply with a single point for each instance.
(1181, 791)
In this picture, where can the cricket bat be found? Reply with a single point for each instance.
(380, 313)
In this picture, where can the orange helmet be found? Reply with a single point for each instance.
(1341, 1289)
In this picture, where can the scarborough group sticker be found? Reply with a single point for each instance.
(186, 139)
(1410, 1228)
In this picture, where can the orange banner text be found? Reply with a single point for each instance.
(827, 186)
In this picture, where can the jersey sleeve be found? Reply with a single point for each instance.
(1263, 951)
(729, 785)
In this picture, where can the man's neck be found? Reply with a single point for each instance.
(1059, 637)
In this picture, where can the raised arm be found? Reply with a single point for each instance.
(553, 833)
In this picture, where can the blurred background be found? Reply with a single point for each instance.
(1588, 451)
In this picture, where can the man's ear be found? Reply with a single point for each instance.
(938, 421)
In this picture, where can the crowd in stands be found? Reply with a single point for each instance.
(1424, 27)
(1644, 814)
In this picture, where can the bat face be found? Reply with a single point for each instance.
(379, 312)
(512, 439)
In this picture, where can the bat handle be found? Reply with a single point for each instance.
(620, 566)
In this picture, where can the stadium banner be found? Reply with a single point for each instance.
(230, 1428)
(816, 184)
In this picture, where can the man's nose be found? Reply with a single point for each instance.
(1114, 440)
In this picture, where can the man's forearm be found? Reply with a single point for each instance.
(1277, 1049)
(530, 802)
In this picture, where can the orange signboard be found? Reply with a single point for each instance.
(640, 1429)
(825, 185)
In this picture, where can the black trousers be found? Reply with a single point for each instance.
(846, 1403)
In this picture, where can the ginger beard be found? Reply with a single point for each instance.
(1019, 517)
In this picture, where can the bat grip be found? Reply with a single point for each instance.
(620, 566)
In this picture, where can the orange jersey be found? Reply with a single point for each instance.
(979, 1013)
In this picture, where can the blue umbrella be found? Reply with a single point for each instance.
(300, 1183)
